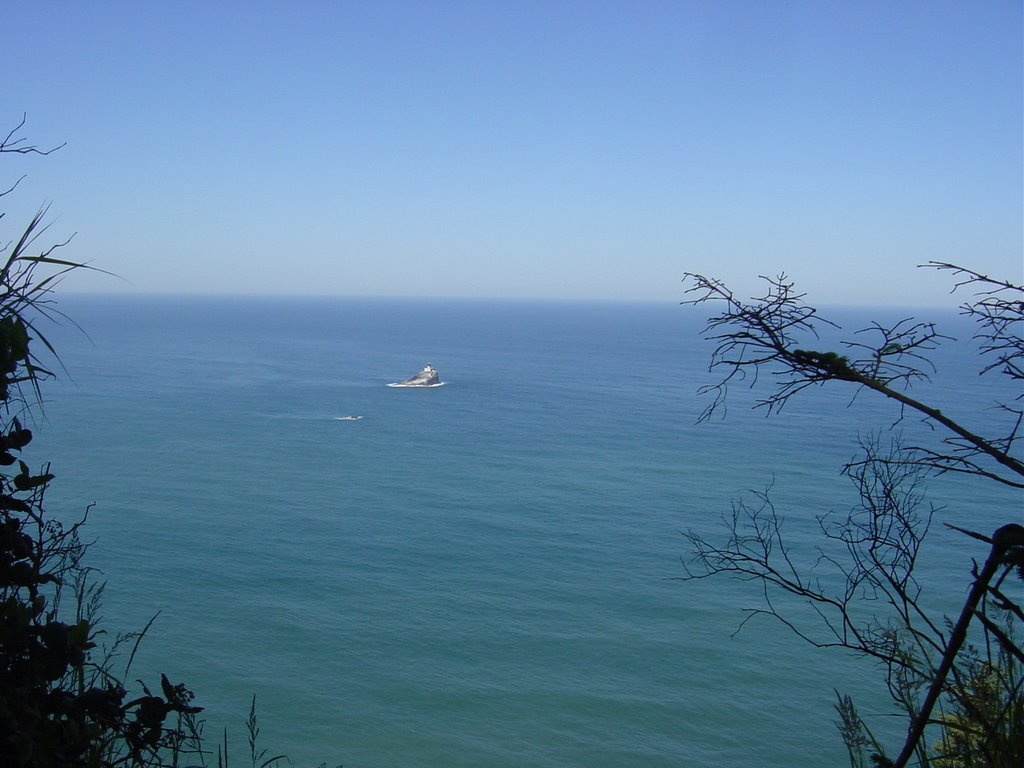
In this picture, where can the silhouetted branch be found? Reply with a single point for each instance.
(872, 604)
(873, 552)
(16, 144)
(999, 312)
(1004, 539)
(765, 334)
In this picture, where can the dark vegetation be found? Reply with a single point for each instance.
(64, 700)
(956, 680)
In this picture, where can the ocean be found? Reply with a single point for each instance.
(481, 574)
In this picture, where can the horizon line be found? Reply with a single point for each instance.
(457, 298)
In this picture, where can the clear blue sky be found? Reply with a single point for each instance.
(522, 149)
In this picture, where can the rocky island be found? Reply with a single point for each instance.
(426, 378)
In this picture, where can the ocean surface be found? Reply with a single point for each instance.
(481, 574)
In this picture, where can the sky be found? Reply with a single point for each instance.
(520, 149)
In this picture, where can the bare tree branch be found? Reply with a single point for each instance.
(1006, 538)
(16, 144)
(766, 334)
(865, 597)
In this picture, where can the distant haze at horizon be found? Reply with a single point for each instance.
(952, 302)
(547, 151)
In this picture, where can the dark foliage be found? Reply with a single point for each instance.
(60, 703)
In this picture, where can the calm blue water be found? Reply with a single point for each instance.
(483, 574)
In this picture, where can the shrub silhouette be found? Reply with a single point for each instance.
(60, 703)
